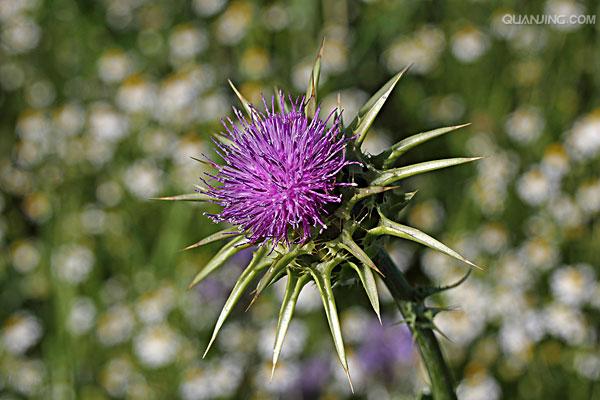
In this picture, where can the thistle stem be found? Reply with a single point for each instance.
(411, 306)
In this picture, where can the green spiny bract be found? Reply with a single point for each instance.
(355, 228)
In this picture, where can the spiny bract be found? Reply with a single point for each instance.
(264, 163)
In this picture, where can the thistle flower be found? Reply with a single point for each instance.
(318, 207)
(280, 172)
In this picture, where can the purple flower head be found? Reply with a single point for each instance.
(279, 172)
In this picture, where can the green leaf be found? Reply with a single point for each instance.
(388, 227)
(424, 292)
(406, 144)
(353, 248)
(368, 281)
(360, 194)
(293, 288)
(396, 203)
(245, 103)
(187, 197)
(226, 252)
(322, 279)
(367, 114)
(220, 235)
(236, 293)
(393, 175)
(278, 267)
(313, 84)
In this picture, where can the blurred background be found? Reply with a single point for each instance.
(103, 102)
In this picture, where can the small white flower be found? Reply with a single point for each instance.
(143, 179)
(565, 211)
(115, 325)
(469, 44)
(156, 346)
(479, 387)
(20, 35)
(295, 340)
(460, 326)
(493, 238)
(564, 8)
(106, 124)
(136, 95)
(155, 306)
(73, 263)
(583, 141)
(588, 197)
(525, 124)
(588, 365)
(538, 253)
(422, 50)
(207, 8)
(25, 256)
(233, 23)
(81, 316)
(217, 380)
(535, 188)
(114, 66)
(187, 42)
(20, 331)
(116, 376)
(69, 119)
(566, 323)
(27, 377)
(573, 285)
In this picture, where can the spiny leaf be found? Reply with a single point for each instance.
(313, 84)
(368, 281)
(396, 174)
(406, 144)
(323, 282)
(395, 204)
(425, 292)
(353, 248)
(360, 194)
(294, 286)
(245, 103)
(220, 235)
(275, 269)
(238, 289)
(367, 114)
(226, 252)
(187, 197)
(365, 192)
(388, 227)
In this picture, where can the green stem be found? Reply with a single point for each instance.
(412, 309)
